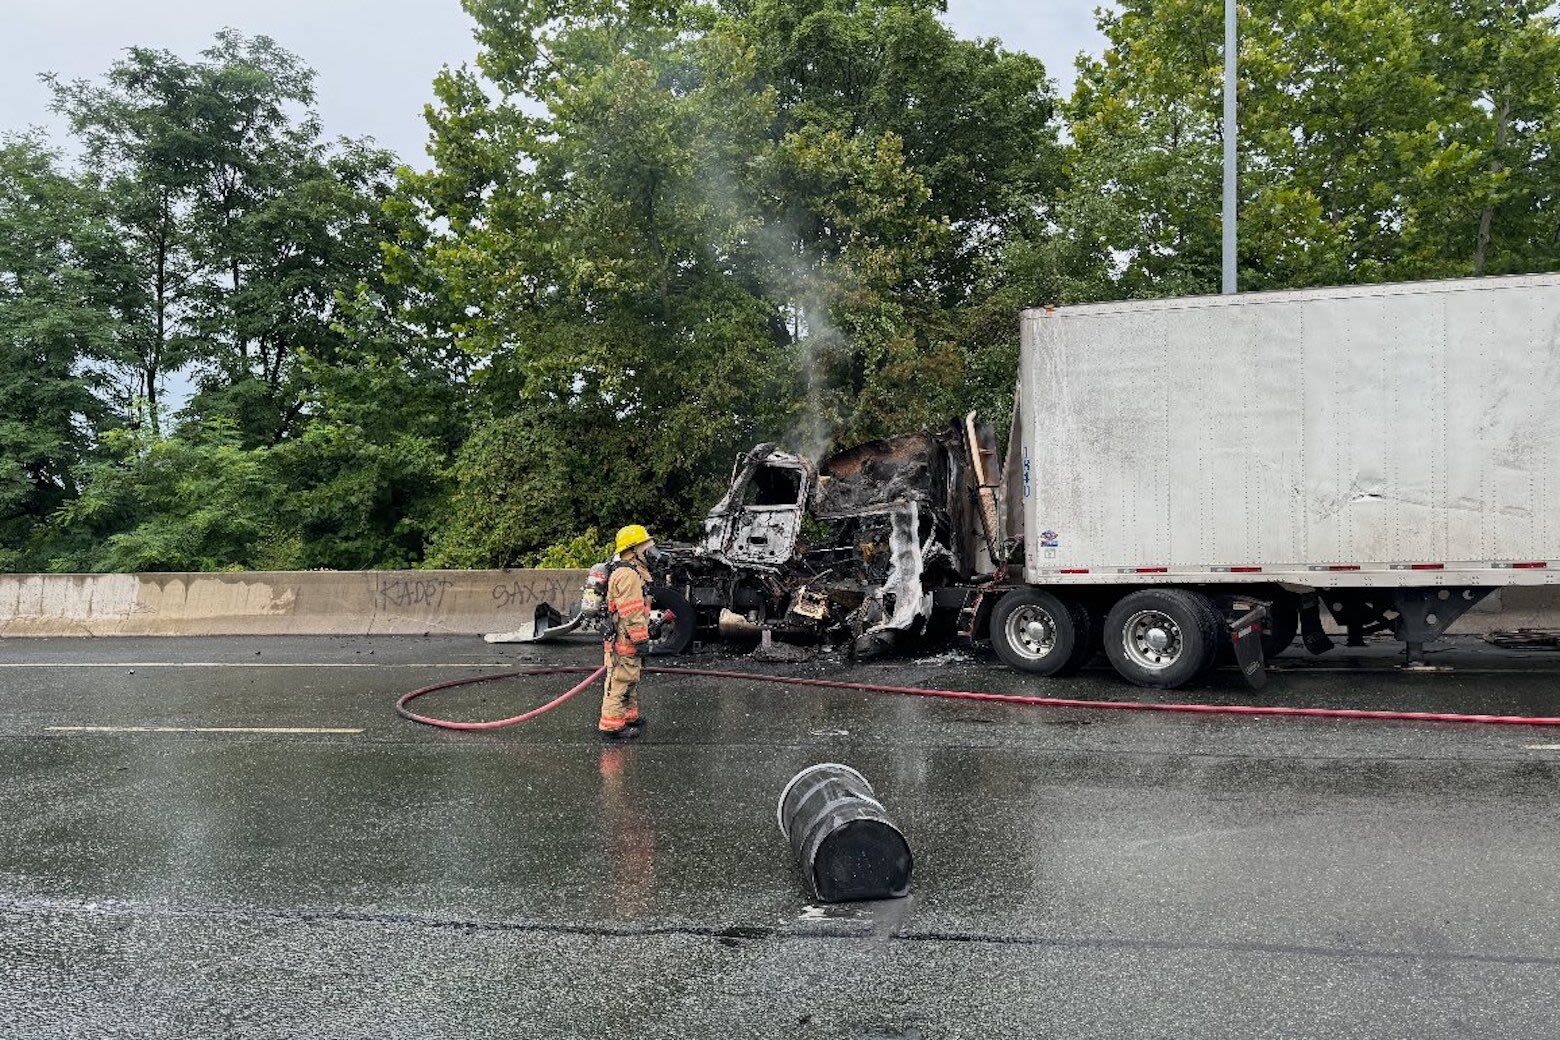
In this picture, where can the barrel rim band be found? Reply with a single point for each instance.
(829, 810)
(780, 805)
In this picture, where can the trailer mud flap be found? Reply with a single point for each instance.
(1316, 640)
(1246, 634)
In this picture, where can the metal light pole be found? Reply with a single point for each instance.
(1230, 196)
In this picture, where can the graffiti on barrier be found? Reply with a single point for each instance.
(400, 593)
(508, 595)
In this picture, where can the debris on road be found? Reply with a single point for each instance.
(771, 652)
(1525, 638)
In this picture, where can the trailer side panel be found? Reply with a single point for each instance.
(1279, 436)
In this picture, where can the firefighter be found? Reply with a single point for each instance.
(628, 615)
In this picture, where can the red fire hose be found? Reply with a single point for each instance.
(960, 695)
(580, 687)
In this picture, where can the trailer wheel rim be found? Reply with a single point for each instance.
(1031, 632)
(1152, 640)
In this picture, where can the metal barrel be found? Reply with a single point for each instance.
(844, 841)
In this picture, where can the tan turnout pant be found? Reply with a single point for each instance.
(620, 701)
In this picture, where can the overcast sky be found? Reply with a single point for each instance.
(377, 58)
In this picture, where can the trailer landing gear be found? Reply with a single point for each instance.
(1423, 615)
(1414, 616)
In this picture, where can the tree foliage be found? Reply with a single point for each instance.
(55, 324)
(214, 239)
(239, 227)
(653, 234)
(1380, 139)
(676, 229)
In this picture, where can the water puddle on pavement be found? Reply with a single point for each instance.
(884, 917)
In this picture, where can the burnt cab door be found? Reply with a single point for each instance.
(761, 517)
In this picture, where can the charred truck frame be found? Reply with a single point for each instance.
(877, 543)
(869, 546)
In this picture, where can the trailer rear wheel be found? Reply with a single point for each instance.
(1035, 631)
(1223, 649)
(1162, 638)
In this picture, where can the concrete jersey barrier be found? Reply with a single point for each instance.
(280, 602)
(396, 603)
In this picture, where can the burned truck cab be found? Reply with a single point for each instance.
(902, 513)
(873, 545)
(759, 520)
(857, 548)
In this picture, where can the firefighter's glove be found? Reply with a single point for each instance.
(641, 647)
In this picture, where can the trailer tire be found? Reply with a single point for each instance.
(1162, 638)
(676, 637)
(1037, 632)
(1223, 649)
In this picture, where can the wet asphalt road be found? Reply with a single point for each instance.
(1079, 874)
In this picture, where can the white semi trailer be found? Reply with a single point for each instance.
(1387, 453)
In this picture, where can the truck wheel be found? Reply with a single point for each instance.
(1162, 638)
(1223, 648)
(1034, 631)
(1283, 626)
(673, 635)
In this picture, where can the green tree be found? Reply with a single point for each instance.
(240, 248)
(1379, 139)
(597, 249)
(196, 502)
(904, 262)
(141, 151)
(56, 327)
(364, 481)
(1493, 152)
(241, 226)
(972, 120)
(672, 230)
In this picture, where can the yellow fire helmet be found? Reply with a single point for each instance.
(630, 536)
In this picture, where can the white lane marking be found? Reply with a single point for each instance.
(1542, 747)
(253, 664)
(197, 729)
